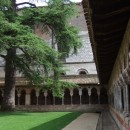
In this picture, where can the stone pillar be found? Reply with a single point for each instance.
(37, 95)
(80, 94)
(89, 94)
(115, 101)
(126, 99)
(45, 95)
(27, 97)
(98, 93)
(71, 94)
(19, 94)
(63, 99)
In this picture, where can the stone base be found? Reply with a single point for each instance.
(82, 108)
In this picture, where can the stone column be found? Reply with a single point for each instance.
(27, 97)
(115, 97)
(37, 95)
(63, 99)
(19, 94)
(71, 94)
(89, 94)
(126, 99)
(119, 96)
(45, 95)
(80, 94)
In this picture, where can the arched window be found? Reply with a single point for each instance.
(83, 72)
(63, 74)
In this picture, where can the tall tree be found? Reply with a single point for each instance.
(26, 52)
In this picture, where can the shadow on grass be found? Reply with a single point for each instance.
(59, 123)
(18, 113)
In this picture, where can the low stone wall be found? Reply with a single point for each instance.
(122, 121)
(83, 108)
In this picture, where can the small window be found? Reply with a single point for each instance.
(82, 73)
(62, 74)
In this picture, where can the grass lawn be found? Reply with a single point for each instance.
(36, 120)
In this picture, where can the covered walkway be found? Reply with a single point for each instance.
(87, 121)
(93, 121)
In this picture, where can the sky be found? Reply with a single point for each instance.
(41, 3)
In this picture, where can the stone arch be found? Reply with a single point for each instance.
(41, 98)
(33, 97)
(58, 101)
(75, 97)
(103, 96)
(85, 96)
(94, 96)
(49, 98)
(16, 97)
(82, 71)
(1, 97)
(22, 97)
(67, 97)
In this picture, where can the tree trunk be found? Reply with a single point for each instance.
(9, 88)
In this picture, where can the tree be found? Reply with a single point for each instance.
(26, 52)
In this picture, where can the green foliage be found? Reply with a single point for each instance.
(58, 89)
(34, 58)
(56, 16)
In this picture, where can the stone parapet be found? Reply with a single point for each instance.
(83, 108)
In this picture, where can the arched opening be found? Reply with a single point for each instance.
(85, 96)
(16, 97)
(33, 97)
(75, 97)
(41, 98)
(94, 96)
(62, 74)
(22, 97)
(83, 72)
(67, 97)
(58, 101)
(49, 98)
(103, 96)
(1, 98)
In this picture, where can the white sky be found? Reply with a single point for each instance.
(41, 3)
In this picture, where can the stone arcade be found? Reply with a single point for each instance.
(80, 69)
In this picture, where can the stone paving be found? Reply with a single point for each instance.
(87, 121)
(108, 122)
(91, 121)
